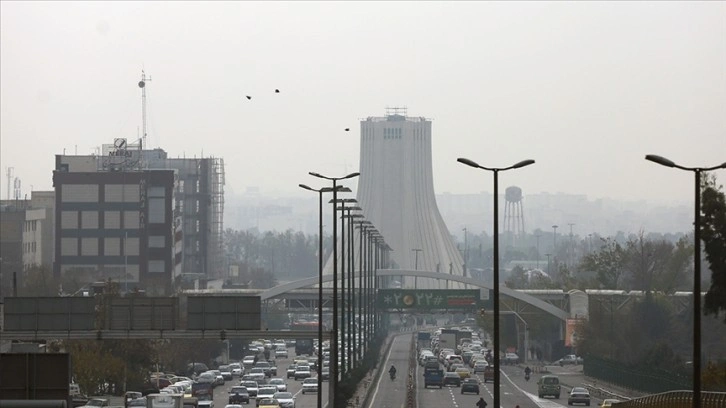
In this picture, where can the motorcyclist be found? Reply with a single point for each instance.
(392, 371)
(527, 371)
(481, 403)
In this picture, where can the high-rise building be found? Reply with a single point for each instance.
(396, 193)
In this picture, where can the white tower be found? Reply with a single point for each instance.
(396, 193)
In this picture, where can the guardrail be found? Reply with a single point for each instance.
(675, 399)
(411, 379)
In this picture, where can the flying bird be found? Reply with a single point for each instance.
(249, 97)
(277, 91)
(347, 129)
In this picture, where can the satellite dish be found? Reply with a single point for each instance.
(142, 84)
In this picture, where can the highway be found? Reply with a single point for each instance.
(221, 393)
(514, 389)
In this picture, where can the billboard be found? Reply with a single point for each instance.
(50, 313)
(224, 313)
(432, 299)
(571, 332)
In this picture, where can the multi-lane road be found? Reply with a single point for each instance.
(514, 389)
(308, 400)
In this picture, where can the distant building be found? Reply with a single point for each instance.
(12, 222)
(38, 231)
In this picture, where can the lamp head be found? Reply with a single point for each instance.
(468, 162)
(660, 160)
(305, 187)
(351, 175)
(523, 163)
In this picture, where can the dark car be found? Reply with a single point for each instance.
(470, 385)
(451, 378)
(239, 395)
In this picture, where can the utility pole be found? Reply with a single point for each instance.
(537, 236)
(572, 248)
(415, 279)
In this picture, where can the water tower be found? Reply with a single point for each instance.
(513, 214)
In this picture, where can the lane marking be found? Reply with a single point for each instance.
(380, 377)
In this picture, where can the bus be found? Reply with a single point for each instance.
(304, 346)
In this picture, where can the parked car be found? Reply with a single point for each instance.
(569, 359)
(470, 385)
(579, 395)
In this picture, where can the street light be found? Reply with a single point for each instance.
(362, 225)
(696, 270)
(351, 284)
(334, 345)
(495, 297)
(320, 280)
(344, 333)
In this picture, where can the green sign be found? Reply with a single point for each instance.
(432, 299)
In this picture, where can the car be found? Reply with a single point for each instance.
(233, 406)
(302, 372)
(249, 360)
(291, 370)
(137, 402)
(470, 385)
(452, 378)
(268, 403)
(236, 369)
(97, 402)
(251, 386)
(285, 399)
(463, 372)
(608, 402)
(281, 353)
(279, 383)
(480, 367)
(226, 372)
(309, 385)
(268, 368)
(258, 373)
(511, 358)
(488, 374)
(579, 395)
(548, 385)
(325, 373)
(207, 378)
(265, 391)
(569, 359)
(239, 395)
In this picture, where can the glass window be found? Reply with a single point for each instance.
(112, 246)
(69, 219)
(89, 219)
(132, 246)
(112, 219)
(156, 266)
(79, 193)
(89, 246)
(131, 219)
(157, 241)
(69, 246)
(157, 211)
(159, 192)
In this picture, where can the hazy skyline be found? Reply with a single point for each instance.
(586, 89)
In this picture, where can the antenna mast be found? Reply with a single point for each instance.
(142, 85)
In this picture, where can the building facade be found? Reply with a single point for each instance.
(116, 225)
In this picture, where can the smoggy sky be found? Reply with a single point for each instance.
(586, 89)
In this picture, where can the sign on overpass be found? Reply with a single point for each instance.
(433, 299)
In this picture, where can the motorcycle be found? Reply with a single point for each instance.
(393, 375)
(526, 377)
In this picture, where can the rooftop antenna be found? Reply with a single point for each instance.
(142, 85)
(9, 173)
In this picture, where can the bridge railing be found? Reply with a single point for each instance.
(675, 399)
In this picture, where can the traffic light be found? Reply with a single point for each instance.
(223, 335)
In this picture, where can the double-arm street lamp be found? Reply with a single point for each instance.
(495, 297)
(334, 343)
(353, 346)
(344, 332)
(362, 226)
(320, 279)
(696, 270)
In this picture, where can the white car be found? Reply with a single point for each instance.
(258, 374)
(281, 353)
(285, 399)
(266, 391)
(279, 383)
(310, 385)
(236, 369)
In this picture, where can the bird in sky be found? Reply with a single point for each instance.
(347, 129)
(277, 91)
(248, 97)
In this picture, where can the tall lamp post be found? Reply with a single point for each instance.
(415, 268)
(348, 290)
(320, 280)
(362, 298)
(334, 343)
(344, 324)
(696, 270)
(495, 297)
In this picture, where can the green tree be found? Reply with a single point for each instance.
(713, 234)
(608, 263)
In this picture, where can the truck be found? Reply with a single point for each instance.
(203, 392)
(447, 339)
(434, 378)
